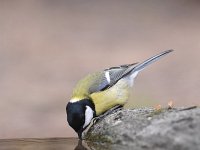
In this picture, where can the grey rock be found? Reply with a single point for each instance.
(148, 128)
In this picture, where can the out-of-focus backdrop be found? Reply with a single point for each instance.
(47, 46)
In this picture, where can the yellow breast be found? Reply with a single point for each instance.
(116, 95)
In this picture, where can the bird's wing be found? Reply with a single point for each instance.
(116, 73)
(99, 84)
(108, 78)
(130, 69)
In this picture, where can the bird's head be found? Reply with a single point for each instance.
(79, 114)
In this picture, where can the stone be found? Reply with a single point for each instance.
(148, 128)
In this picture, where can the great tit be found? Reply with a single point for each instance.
(100, 91)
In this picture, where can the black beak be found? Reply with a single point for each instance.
(80, 134)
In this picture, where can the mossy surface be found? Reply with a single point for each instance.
(148, 128)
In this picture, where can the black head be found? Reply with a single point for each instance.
(79, 114)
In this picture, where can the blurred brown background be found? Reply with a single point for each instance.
(46, 46)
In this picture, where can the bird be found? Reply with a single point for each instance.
(101, 91)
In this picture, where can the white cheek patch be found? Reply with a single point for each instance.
(88, 116)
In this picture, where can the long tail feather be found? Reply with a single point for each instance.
(151, 60)
(135, 69)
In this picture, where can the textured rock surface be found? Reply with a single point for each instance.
(149, 129)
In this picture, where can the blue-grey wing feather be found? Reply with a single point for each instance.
(116, 73)
(101, 83)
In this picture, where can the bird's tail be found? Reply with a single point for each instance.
(132, 70)
(149, 61)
